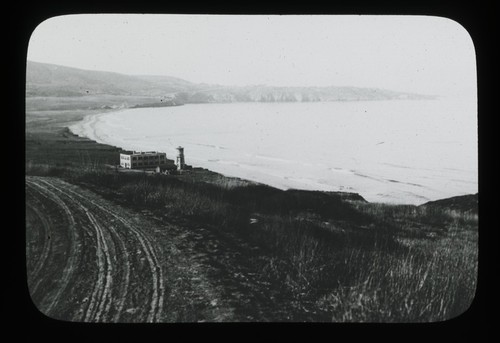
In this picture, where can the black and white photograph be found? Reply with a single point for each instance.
(189, 168)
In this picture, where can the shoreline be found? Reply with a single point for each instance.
(86, 128)
(55, 120)
(204, 175)
(264, 227)
(257, 239)
(211, 173)
(59, 146)
(211, 176)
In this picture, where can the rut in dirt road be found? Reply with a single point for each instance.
(92, 260)
(93, 264)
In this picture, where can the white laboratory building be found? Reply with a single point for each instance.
(143, 160)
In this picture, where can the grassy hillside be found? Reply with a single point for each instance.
(328, 256)
(51, 87)
(53, 80)
(467, 203)
(342, 261)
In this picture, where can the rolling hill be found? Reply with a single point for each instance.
(49, 80)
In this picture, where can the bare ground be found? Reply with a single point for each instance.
(91, 260)
(96, 262)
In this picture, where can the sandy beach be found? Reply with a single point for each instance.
(415, 160)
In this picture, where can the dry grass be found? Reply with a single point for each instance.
(412, 286)
(337, 261)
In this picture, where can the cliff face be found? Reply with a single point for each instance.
(296, 94)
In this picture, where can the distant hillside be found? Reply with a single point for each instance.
(49, 80)
(300, 94)
(53, 80)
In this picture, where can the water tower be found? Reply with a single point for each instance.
(179, 161)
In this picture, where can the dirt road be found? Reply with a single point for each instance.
(89, 260)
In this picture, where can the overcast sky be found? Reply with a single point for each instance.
(428, 55)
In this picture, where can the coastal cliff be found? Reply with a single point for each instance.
(86, 89)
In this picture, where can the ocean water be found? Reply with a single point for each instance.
(395, 151)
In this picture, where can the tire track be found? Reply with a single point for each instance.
(101, 298)
(74, 251)
(155, 267)
(156, 271)
(146, 245)
(101, 292)
(46, 248)
(126, 277)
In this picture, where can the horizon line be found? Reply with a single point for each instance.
(227, 85)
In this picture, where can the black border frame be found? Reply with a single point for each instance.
(476, 17)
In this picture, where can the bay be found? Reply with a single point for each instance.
(392, 151)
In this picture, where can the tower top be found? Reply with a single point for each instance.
(179, 160)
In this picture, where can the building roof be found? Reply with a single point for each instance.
(142, 153)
